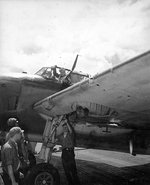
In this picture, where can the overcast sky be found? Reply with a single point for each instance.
(39, 33)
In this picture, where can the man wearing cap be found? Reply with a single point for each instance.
(13, 122)
(67, 140)
(10, 157)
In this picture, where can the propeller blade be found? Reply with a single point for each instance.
(73, 67)
(75, 62)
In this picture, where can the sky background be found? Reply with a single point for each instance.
(41, 33)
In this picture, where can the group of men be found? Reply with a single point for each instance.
(10, 155)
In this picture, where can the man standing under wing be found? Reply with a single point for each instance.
(10, 157)
(67, 140)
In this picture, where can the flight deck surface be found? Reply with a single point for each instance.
(101, 167)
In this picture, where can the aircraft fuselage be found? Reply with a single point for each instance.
(18, 94)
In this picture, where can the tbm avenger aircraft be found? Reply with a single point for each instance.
(117, 100)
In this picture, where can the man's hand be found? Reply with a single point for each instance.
(11, 175)
(21, 175)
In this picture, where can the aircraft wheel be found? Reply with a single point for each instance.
(43, 174)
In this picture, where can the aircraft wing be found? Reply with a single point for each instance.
(120, 94)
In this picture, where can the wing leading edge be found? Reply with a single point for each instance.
(119, 93)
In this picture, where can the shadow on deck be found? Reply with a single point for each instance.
(92, 173)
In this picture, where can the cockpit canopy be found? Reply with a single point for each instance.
(60, 74)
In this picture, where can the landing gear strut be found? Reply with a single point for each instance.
(45, 173)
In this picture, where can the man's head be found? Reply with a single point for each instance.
(16, 133)
(65, 127)
(82, 112)
(62, 72)
(12, 122)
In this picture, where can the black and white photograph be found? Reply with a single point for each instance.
(74, 92)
